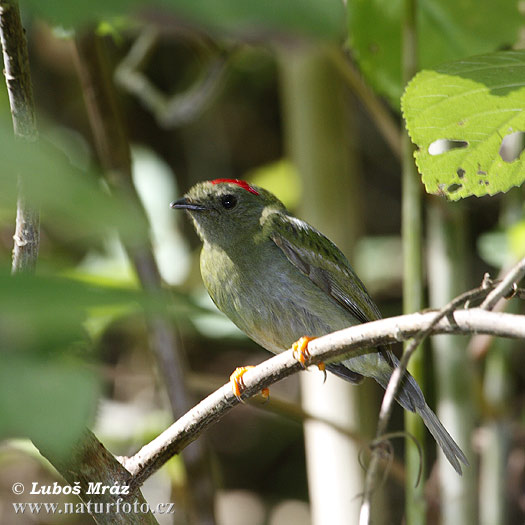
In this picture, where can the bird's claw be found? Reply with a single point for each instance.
(301, 353)
(300, 350)
(322, 368)
(238, 386)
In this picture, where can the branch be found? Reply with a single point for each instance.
(291, 411)
(509, 283)
(113, 150)
(89, 461)
(114, 155)
(16, 71)
(378, 111)
(329, 347)
(181, 108)
(90, 464)
(506, 287)
(19, 88)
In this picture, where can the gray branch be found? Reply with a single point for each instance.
(89, 464)
(20, 91)
(336, 345)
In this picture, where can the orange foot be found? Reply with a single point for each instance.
(300, 352)
(238, 385)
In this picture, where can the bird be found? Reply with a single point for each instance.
(281, 281)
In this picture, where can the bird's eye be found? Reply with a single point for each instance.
(228, 201)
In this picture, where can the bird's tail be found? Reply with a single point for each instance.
(411, 398)
(449, 447)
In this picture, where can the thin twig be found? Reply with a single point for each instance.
(114, 154)
(380, 114)
(503, 287)
(393, 385)
(397, 376)
(180, 108)
(479, 345)
(506, 287)
(338, 344)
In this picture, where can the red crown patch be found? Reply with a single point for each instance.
(242, 183)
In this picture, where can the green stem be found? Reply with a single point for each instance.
(498, 387)
(415, 507)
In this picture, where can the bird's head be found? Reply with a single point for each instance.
(227, 210)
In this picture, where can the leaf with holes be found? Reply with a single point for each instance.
(468, 120)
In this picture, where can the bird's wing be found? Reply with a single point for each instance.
(320, 260)
(326, 266)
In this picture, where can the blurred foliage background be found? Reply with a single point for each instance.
(206, 90)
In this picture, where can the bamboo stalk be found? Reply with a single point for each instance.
(318, 141)
(447, 267)
(415, 506)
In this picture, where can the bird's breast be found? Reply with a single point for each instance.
(268, 298)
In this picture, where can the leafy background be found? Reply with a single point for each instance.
(74, 341)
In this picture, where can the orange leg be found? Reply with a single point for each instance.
(300, 352)
(237, 382)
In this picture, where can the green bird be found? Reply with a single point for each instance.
(278, 278)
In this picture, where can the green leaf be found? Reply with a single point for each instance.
(51, 402)
(47, 314)
(516, 239)
(46, 392)
(71, 14)
(242, 18)
(447, 30)
(248, 18)
(493, 248)
(474, 103)
(74, 204)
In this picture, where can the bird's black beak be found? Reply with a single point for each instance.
(186, 204)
